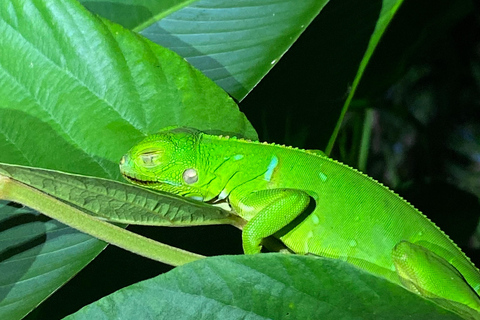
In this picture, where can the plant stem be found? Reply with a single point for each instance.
(15, 191)
(365, 142)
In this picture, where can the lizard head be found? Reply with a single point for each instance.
(165, 161)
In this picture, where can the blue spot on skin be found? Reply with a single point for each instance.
(322, 176)
(271, 166)
(238, 156)
(172, 183)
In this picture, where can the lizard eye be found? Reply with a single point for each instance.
(190, 176)
(150, 159)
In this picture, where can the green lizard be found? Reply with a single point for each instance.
(313, 204)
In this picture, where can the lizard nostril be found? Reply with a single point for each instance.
(123, 160)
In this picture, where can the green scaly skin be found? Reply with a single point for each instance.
(313, 204)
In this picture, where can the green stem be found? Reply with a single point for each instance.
(15, 191)
(365, 142)
(386, 14)
(334, 135)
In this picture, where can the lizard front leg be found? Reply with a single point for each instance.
(270, 211)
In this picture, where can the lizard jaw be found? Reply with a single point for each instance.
(140, 182)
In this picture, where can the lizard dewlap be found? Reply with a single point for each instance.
(313, 204)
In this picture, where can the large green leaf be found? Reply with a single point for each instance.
(235, 43)
(91, 89)
(268, 286)
(37, 255)
(76, 93)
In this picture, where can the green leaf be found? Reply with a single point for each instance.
(134, 13)
(76, 93)
(92, 89)
(54, 208)
(266, 286)
(60, 196)
(234, 43)
(37, 255)
(119, 202)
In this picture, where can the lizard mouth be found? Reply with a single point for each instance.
(134, 180)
